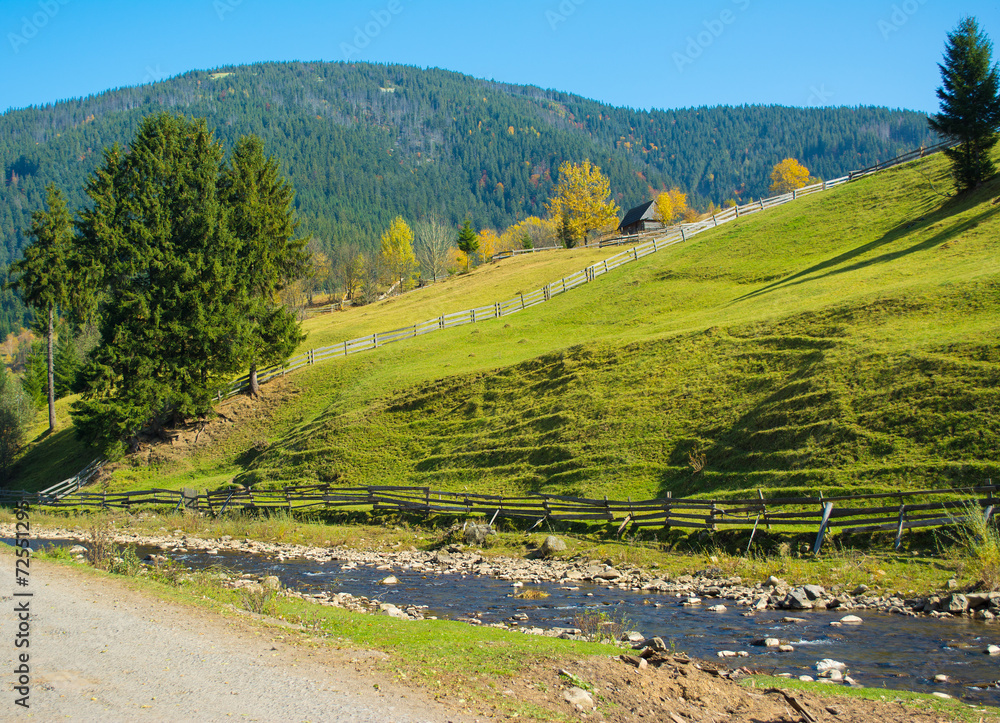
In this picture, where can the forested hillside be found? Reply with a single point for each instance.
(363, 143)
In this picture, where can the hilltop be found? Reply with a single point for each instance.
(363, 143)
(846, 341)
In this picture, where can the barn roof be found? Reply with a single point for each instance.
(645, 212)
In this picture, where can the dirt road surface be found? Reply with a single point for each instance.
(100, 651)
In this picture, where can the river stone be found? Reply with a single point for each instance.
(77, 550)
(814, 592)
(773, 581)
(829, 664)
(992, 650)
(476, 534)
(860, 590)
(851, 620)
(716, 609)
(552, 544)
(797, 599)
(786, 649)
(389, 580)
(656, 644)
(443, 558)
(956, 603)
(579, 699)
(271, 582)
(608, 573)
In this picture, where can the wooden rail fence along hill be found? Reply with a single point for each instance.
(870, 513)
(655, 242)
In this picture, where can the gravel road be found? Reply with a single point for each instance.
(100, 651)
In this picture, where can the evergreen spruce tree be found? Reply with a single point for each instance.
(159, 245)
(970, 104)
(262, 220)
(468, 241)
(43, 274)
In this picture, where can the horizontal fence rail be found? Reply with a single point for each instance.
(645, 244)
(863, 514)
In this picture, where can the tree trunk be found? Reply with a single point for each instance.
(254, 385)
(52, 371)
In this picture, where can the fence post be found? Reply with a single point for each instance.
(737, 210)
(521, 294)
(827, 509)
(899, 529)
(441, 322)
(793, 194)
(762, 204)
(473, 312)
(545, 292)
(715, 220)
(683, 237)
(375, 341)
(345, 347)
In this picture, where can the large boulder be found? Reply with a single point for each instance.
(476, 533)
(552, 545)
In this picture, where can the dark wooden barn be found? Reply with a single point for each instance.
(641, 218)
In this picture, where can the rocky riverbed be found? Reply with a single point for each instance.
(704, 587)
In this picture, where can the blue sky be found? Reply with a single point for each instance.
(642, 55)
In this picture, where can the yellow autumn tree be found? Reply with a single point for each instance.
(787, 176)
(397, 257)
(672, 205)
(581, 202)
(489, 244)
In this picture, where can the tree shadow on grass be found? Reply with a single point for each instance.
(840, 264)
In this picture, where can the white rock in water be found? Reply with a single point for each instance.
(829, 664)
(390, 580)
(851, 620)
(726, 653)
(772, 643)
(786, 649)
(941, 678)
(993, 650)
(717, 609)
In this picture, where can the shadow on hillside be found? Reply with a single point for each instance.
(839, 264)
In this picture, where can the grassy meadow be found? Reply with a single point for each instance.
(844, 342)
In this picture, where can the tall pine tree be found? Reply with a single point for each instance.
(970, 104)
(262, 221)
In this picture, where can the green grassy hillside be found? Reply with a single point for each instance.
(845, 341)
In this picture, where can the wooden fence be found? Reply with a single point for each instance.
(521, 302)
(865, 514)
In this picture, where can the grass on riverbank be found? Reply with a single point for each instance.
(955, 710)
